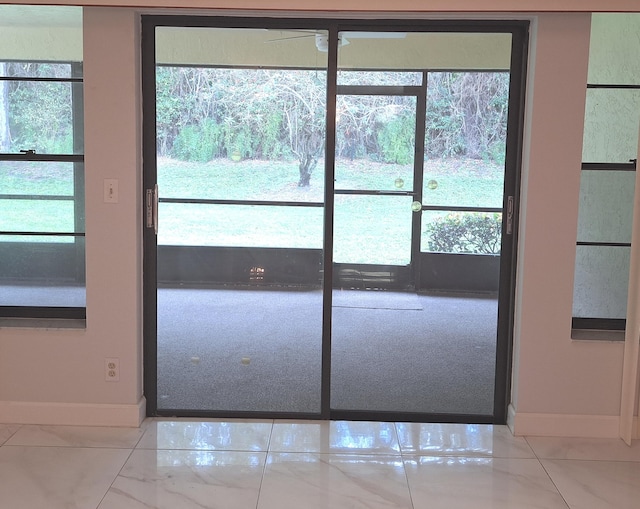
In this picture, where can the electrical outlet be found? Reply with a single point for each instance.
(112, 370)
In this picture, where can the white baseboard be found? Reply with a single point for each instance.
(564, 425)
(72, 414)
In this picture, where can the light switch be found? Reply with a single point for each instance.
(111, 190)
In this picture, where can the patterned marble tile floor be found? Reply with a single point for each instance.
(234, 464)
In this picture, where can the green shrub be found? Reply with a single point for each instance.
(466, 232)
(198, 143)
(396, 140)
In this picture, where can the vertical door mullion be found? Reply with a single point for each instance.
(418, 179)
(329, 176)
(150, 251)
(508, 249)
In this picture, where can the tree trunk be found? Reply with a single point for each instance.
(307, 165)
(309, 150)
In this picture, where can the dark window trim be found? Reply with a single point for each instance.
(615, 324)
(612, 87)
(50, 312)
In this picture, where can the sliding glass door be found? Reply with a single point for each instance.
(329, 217)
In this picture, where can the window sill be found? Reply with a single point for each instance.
(43, 323)
(614, 336)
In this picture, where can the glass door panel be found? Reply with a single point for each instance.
(428, 346)
(240, 141)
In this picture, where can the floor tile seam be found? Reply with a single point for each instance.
(115, 477)
(470, 457)
(540, 456)
(404, 468)
(554, 484)
(62, 446)
(264, 464)
(437, 454)
(341, 453)
(191, 449)
(526, 439)
(19, 427)
(594, 460)
(144, 427)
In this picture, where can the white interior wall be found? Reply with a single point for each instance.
(563, 386)
(560, 386)
(57, 376)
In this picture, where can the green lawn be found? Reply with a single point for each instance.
(367, 228)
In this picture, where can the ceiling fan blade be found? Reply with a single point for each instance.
(291, 38)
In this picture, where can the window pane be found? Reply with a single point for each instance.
(372, 229)
(614, 48)
(40, 116)
(416, 51)
(461, 232)
(611, 126)
(465, 138)
(462, 182)
(42, 272)
(247, 179)
(379, 78)
(46, 216)
(606, 206)
(375, 142)
(240, 225)
(241, 134)
(36, 178)
(35, 70)
(601, 282)
(50, 33)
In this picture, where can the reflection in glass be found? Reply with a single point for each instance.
(334, 436)
(208, 436)
(451, 439)
(172, 460)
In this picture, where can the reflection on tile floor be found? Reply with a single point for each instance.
(235, 464)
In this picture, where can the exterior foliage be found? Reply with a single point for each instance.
(277, 114)
(36, 114)
(465, 232)
(207, 113)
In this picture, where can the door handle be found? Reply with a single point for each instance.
(151, 202)
(509, 215)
